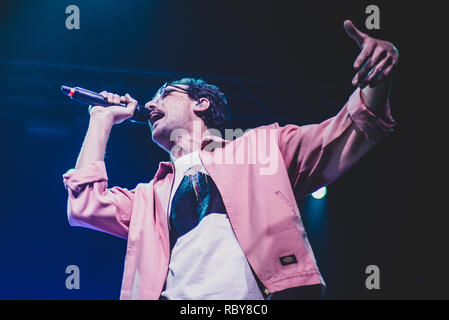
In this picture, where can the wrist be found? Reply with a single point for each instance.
(375, 98)
(101, 122)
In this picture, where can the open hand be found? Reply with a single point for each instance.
(376, 61)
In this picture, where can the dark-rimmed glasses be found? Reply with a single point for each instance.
(166, 89)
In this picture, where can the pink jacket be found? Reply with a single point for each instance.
(259, 197)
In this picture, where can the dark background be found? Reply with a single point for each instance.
(278, 61)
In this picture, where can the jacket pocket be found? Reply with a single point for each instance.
(284, 214)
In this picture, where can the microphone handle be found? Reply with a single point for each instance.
(141, 115)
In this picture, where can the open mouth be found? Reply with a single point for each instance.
(155, 116)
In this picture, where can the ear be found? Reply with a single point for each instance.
(202, 105)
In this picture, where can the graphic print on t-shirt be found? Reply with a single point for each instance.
(196, 197)
(206, 260)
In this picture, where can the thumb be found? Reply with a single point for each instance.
(354, 33)
(131, 103)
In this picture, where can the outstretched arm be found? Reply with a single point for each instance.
(375, 66)
(316, 155)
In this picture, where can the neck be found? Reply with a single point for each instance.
(185, 144)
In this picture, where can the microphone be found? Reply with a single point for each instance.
(141, 114)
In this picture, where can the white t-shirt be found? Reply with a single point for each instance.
(207, 262)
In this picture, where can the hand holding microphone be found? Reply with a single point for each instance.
(116, 108)
(115, 112)
(106, 110)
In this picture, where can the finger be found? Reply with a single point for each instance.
(104, 94)
(131, 104)
(383, 75)
(354, 33)
(378, 55)
(387, 72)
(363, 56)
(378, 69)
(360, 76)
(364, 73)
(110, 97)
(369, 67)
(116, 99)
(378, 79)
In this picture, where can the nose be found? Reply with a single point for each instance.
(150, 105)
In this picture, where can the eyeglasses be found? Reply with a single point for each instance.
(166, 89)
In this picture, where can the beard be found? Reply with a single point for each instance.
(166, 133)
(161, 135)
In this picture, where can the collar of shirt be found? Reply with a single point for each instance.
(209, 144)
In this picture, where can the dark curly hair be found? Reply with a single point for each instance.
(218, 113)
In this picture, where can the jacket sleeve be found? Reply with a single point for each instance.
(92, 205)
(316, 155)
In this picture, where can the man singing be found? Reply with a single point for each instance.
(220, 220)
